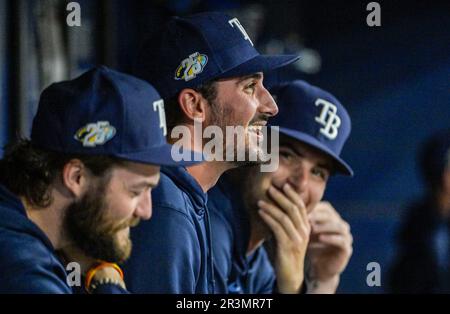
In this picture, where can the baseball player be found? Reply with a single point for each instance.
(79, 184)
(207, 70)
(312, 243)
(424, 234)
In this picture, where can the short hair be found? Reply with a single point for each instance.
(29, 171)
(174, 114)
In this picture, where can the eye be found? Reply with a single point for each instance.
(321, 173)
(250, 87)
(135, 193)
(286, 155)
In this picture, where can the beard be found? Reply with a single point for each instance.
(222, 116)
(255, 185)
(92, 231)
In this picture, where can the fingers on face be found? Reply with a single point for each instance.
(322, 213)
(328, 221)
(337, 240)
(325, 206)
(291, 204)
(296, 200)
(277, 229)
(284, 223)
(332, 226)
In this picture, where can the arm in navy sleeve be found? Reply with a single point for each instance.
(261, 277)
(29, 267)
(165, 256)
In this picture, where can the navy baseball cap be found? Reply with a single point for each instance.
(104, 112)
(196, 49)
(315, 117)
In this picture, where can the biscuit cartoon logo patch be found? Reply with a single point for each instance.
(191, 67)
(94, 134)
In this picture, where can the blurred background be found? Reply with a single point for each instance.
(393, 79)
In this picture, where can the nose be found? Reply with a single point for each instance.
(299, 179)
(144, 208)
(268, 105)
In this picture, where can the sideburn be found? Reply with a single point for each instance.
(89, 228)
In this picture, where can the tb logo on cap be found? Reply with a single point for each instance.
(238, 24)
(328, 119)
(159, 105)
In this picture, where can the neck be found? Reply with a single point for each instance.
(49, 220)
(208, 173)
(258, 233)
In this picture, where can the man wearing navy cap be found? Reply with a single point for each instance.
(422, 260)
(79, 184)
(207, 70)
(248, 206)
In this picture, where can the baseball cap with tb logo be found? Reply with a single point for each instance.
(315, 117)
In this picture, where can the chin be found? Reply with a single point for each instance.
(123, 248)
(123, 237)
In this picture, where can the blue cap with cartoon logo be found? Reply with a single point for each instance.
(193, 50)
(315, 117)
(104, 112)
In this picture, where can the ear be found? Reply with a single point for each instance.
(193, 104)
(74, 177)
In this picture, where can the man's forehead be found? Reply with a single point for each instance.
(139, 169)
(257, 76)
(306, 150)
(239, 79)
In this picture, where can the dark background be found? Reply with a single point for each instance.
(393, 79)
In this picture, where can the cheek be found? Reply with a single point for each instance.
(280, 176)
(257, 189)
(316, 192)
(121, 207)
(243, 110)
(248, 113)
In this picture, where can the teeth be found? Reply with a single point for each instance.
(255, 128)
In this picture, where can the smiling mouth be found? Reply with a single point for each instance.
(128, 225)
(256, 129)
(134, 223)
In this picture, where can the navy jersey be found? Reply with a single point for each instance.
(172, 251)
(236, 272)
(28, 261)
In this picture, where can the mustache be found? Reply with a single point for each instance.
(132, 222)
(260, 120)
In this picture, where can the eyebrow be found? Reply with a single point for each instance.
(250, 76)
(324, 165)
(144, 185)
(291, 147)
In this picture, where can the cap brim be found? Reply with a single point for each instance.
(260, 63)
(162, 155)
(341, 166)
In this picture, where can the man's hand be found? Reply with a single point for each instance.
(329, 250)
(74, 254)
(288, 220)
